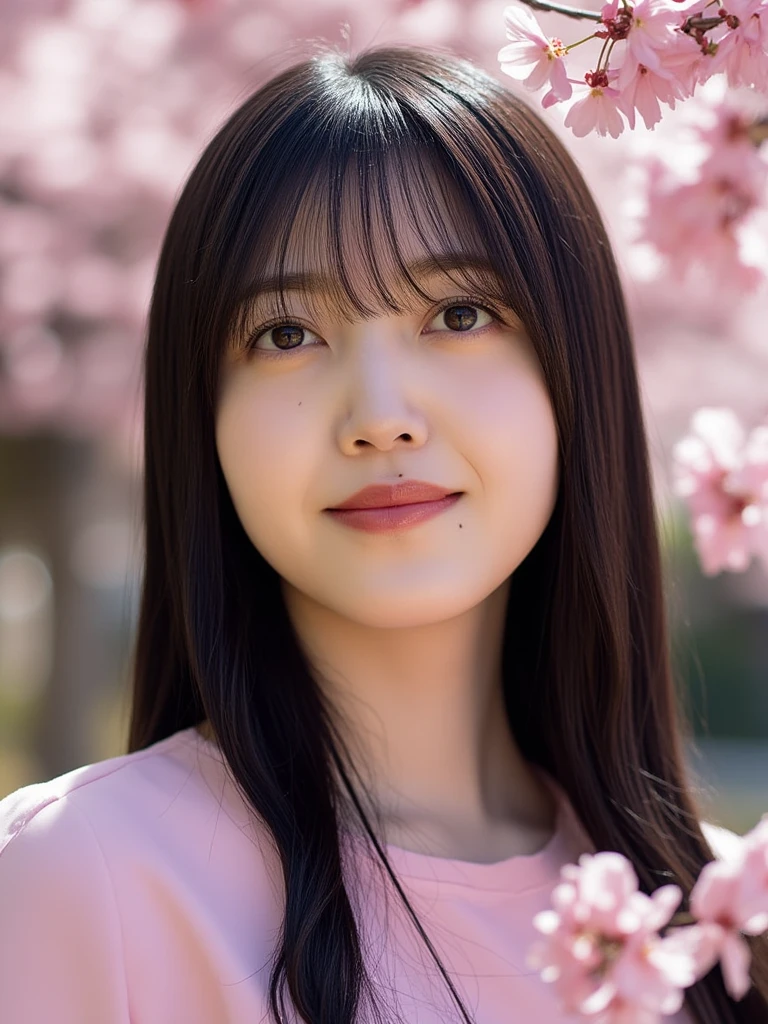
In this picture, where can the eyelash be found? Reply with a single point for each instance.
(461, 300)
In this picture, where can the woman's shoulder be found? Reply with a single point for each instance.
(58, 912)
(114, 794)
(99, 866)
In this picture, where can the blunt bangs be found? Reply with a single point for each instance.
(352, 190)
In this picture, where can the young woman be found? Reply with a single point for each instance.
(402, 651)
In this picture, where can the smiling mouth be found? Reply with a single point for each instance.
(389, 518)
(397, 504)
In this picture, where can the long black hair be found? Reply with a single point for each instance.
(588, 685)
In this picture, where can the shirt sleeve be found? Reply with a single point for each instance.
(61, 956)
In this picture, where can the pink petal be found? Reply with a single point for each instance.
(561, 85)
(523, 52)
(581, 117)
(687, 954)
(540, 74)
(735, 959)
(519, 21)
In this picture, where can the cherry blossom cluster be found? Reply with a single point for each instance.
(707, 201)
(721, 471)
(604, 951)
(654, 52)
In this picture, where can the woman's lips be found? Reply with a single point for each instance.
(394, 517)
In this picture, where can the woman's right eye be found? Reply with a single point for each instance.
(281, 336)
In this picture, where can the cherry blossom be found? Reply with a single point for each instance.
(603, 950)
(686, 63)
(531, 57)
(742, 52)
(730, 898)
(602, 941)
(697, 223)
(703, 202)
(651, 28)
(643, 89)
(723, 476)
(662, 51)
(598, 108)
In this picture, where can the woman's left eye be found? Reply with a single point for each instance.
(461, 317)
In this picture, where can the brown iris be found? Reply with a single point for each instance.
(460, 318)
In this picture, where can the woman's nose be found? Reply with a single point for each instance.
(380, 406)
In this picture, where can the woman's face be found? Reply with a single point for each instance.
(449, 393)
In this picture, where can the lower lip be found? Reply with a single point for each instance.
(396, 517)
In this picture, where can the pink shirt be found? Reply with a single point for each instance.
(140, 890)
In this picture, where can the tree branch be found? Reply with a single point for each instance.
(569, 12)
(758, 131)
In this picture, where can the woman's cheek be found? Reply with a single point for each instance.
(267, 459)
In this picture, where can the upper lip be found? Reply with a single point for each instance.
(404, 492)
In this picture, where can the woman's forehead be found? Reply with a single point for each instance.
(371, 249)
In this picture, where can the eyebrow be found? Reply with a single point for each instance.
(424, 267)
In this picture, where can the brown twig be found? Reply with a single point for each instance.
(569, 12)
(758, 131)
(705, 24)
